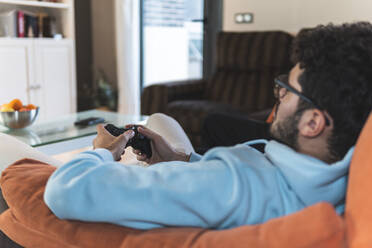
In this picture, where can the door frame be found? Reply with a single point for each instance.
(213, 15)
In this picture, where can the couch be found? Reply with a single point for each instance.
(29, 223)
(243, 81)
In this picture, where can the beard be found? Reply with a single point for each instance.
(286, 131)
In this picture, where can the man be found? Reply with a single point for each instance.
(322, 106)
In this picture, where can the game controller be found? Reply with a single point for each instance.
(138, 142)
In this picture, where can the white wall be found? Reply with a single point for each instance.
(268, 14)
(292, 15)
(361, 10)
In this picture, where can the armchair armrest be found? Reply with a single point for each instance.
(154, 98)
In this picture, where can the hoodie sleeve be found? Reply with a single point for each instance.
(194, 157)
(93, 187)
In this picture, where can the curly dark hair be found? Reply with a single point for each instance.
(337, 63)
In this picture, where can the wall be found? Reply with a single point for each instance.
(268, 14)
(361, 10)
(316, 12)
(292, 15)
(103, 33)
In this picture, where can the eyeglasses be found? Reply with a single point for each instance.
(282, 87)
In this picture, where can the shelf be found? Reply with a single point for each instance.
(37, 4)
(44, 39)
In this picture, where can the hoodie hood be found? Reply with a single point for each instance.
(310, 178)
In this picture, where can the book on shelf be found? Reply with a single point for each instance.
(31, 25)
(25, 24)
(21, 24)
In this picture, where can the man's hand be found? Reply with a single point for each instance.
(116, 145)
(162, 151)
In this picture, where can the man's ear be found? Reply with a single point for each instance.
(312, 123)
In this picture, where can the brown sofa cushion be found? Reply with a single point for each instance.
(252, 91)
(253, 51)
(31, 224)
(358, 213)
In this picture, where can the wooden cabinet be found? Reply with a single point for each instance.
(41, 72)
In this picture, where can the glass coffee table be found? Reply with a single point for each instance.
(61, 135)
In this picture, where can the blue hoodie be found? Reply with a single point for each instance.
(225, 188)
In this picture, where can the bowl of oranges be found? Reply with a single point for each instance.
(15, 115)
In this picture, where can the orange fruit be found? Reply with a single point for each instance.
(23, 110)
(16, 104)
(30, 107)
(6, 108)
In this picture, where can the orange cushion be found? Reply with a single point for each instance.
(31, 224)
(358, 212)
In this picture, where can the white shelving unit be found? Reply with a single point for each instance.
(63, 11)
(36, 4)
(41, 71)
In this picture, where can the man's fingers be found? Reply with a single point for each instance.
(147, 132)
(95, 143)
(132, 125)
(144, 130)
(125, 137)
(100, 128)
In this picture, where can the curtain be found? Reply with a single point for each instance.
(127, 46)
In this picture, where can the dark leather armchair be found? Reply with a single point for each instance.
(247, 64)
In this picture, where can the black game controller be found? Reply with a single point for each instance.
(138, 142)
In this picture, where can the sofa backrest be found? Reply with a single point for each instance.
(247, 64)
